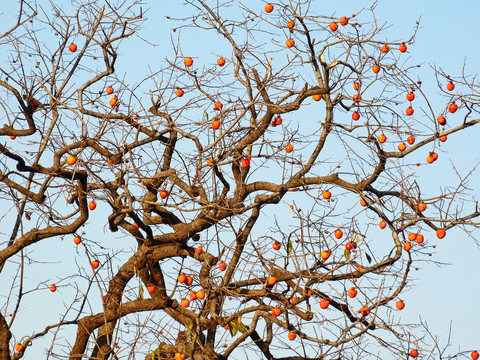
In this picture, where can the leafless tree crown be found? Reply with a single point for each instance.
(266, 201)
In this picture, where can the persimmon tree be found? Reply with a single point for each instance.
(264, 201)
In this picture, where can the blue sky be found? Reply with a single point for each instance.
(443, 295)
(447, 38)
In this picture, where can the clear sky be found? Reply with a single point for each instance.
(448, 38)
(443, 295)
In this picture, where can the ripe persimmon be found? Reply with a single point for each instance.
(220, 61)
(324, 303)
(278, 120)
(276, 311)
(290, 43)
(95, 264)
(179, 356)
(18, 347)
(474, 355)
(217, 106)
(325, 255)
(200, 294)
(326, 194)
(192, 295)
(402, 146)
(364, 310)
(409, 111)
(163, 194)
(188, 281)
(222, 265)
(400, 304)
(384, 49)
(412, 236)
(291, 24)
(411, 140)
(293, 300)
(109, 90)
(179, 92)
(71, 160)
(185, 302)
(338, 233)
(355, 116)
(414, 353)
(317, 97)
(271, 280)
(430, 159)
(443, 138)
(53, 288)
(452, 107)
(246, 162)
(113, 101)
(402, 48)
(356, 98)
(356, 85)
(215, 124)
(151, 288)
(77, 240)
(376, 69)
(382, 138)
(276, 245)
(410, 96)
(333, 26)
(422, 206)
(441, 120)
(289, 148)
(382, 224)
(188, 61)
(441, 233)
(343, 20)
(181, 278)
(72, 47)
(352, 292)
(450, 86)
(363, 202)
(407, 246)
(199, 250)
(92, 205)
(291, 335)
(268, 8)
(419, 238)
